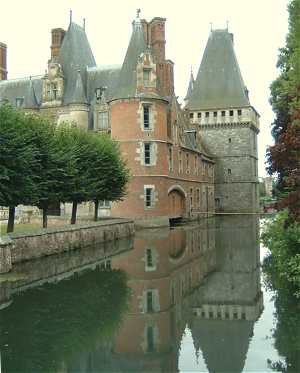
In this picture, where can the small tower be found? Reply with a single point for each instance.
(3, 61)
(190, 88)
(219, 107)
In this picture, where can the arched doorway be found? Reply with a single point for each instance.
(177, 202)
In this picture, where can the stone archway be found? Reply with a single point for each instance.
(177, 202)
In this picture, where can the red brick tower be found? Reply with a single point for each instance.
(3, 61)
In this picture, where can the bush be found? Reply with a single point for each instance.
(284, 245)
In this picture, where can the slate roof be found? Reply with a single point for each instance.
(126, 86)
(75, 54)
(219, 83)
(190, 87)
(102, 76)
(29, 88)
(78, 95)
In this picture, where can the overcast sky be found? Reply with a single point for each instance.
(259, 28)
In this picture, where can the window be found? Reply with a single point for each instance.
(215, 114)
(206, 114)
(149, 258)
(195, 165)
(104, 204)
(52, 91)
(149, 301)
(199, 115)
(103, 120)
(170, 157)
(229, 140)
(149, 197)
(146, 77)
(180, 161)
(146, 117)
(231, 113)
(147, 153)
(239, 112)
(191, 115)
(223, 113)
(19, 102)
(187, 162)
(150, 339)
(198, 198)
(229, 171)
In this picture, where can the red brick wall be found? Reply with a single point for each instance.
(3, 61)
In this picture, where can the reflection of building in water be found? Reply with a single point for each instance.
(163, 268)
(229, 303)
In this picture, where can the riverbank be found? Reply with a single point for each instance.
(20, 247)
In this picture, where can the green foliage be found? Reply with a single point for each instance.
(18, 159)
(284, 244)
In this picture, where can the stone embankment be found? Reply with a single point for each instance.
(27, 246)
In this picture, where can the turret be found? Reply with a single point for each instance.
(3, 61)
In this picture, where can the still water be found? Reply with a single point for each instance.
(189, 299)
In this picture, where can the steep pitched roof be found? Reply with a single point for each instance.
(190, 87)
(75, 53)
(78, 96)
(29, 88)
(127, 79)
(219, 83)
(102, 76)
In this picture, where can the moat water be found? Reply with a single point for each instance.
(188, 299)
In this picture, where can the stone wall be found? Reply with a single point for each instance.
(54, 241)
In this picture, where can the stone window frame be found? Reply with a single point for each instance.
(180, 164)
(170, 157)
(149, 199)
(19, 102)
(147, 82)
(151, 157)
(99, 114)
(150, 126)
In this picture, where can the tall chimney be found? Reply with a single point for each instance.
(57, 37)
(157, 37)
(3, 61)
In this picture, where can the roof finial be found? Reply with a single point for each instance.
(70, 16)
(84, 24)
(138, 11)
(211, 26)
(227, 24)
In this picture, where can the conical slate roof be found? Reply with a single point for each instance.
(30, 100)
(126, 86)
(190, 87)
(78, 96)
(219, 83)
(75, 54)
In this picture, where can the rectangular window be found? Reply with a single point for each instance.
(149, 258)
(195, 165)
(149, 301)
(229, 171)
(215, 114)
(180, 161)
(206, 114)
(239, 112)
(103, 120)
(146, 117)
(223, 113)
(187, 162)
(149, 197)
(104, 204)
(231, 113)
(170, 157)
(147, 153)
(19, 102)
(150, 339)
(146, 77)
(199, 115)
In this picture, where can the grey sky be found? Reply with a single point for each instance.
(259, 28)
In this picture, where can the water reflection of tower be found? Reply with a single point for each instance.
(163, 268)
(228, 304)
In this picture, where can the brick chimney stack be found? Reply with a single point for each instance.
(157, 37)
(57, 37)
(3, 61)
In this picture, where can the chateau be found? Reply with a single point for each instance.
(185, 162)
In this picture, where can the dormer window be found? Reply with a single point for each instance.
(103, 120)
(146, 77)
(19, 102)
(52, 91)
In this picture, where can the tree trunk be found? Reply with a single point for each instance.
(11, 219)
(74, 212)
(45, 217)
(96, 210)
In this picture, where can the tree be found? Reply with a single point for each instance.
(284, 156)
(18, 162)
(108, 174)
